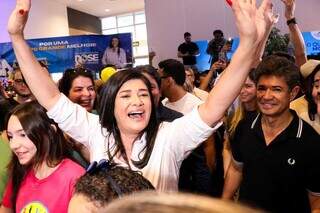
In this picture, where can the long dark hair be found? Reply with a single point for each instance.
(107, 118)
(119, 44)
(46, 136)
(312, 106)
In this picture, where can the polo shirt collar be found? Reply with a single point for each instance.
(294, 129)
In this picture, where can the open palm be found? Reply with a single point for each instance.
(265, 19)
(18, 17)
(253, 24)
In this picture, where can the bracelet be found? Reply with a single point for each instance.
(292, 21)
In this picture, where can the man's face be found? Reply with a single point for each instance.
(190, 76)
(164, 82)
(187, 39)
(273, 95)
(217, 36)
(20, 86)
(155, 90)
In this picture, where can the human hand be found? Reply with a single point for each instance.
(218, 65)
(290, 6)
(253, 23)
(19, 17)
(152, 54)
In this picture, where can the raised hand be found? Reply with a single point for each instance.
(18, 17)
(253, 23)
(290, 6)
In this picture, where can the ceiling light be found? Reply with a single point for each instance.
(107, 10)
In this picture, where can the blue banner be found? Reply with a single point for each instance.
(60, 53)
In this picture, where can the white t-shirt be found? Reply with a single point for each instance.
(184, 105)
(199, 93)
(174, 141)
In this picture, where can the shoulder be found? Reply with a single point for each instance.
(309, 133)
(192, 99)
(71, 168)
(300, 105)
(195, 44)
(182, 45)
(248, 123)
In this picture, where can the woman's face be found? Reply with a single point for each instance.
(132, 108)
(316, 88)
(248, 92)
(19, 142)
(82, 92)
(190, 76)
(115, 42)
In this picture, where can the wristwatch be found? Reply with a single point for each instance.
(291, 21)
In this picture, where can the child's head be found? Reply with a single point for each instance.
(97, 188)
(33, 137)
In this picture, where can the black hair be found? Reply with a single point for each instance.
(312, 106)
(6, 105)
(186, 34)
(65, 83)
(174, 69)
(100, 186)
(286, 55)
(279, 66)
(148, 69)
(107, 118)
(217, 32)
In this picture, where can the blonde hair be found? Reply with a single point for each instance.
(234, 120)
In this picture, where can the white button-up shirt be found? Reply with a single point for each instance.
(174, 141)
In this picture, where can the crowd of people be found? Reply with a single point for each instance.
(247, 131)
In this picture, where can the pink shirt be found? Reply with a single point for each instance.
(51, 194)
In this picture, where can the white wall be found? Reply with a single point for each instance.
(47, 19)
(167, 20)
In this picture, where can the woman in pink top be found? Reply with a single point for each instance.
(41, 174)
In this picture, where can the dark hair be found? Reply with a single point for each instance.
(175, 69)
(217, 32)
(281, 67)
(253, 75)
(44, 134)
(6, 105)
(148, 69)
(286, 55)
(186, 34)
(119, 43)
(65, 83)
(107, 118)
(97, 187)
(312, 106)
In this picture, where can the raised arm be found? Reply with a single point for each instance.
(37, 78)
(295, 33)
(253, 25)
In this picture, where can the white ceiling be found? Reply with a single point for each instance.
(98, 7)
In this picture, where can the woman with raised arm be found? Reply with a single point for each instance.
(129, 133)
